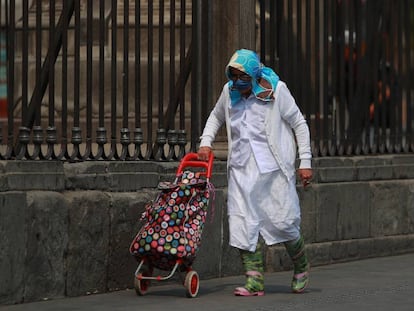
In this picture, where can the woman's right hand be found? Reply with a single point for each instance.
(204, 153)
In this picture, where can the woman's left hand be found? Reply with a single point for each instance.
(305, 175)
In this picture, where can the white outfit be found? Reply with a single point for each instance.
(262, 195)
(247, 120)
(261, 203)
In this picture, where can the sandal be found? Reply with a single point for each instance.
(255, 281)
(300, 281)
(242, 291)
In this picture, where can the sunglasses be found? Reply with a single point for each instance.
(243, 77)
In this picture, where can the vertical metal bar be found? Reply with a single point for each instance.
(113, 78)
(101, 95)
(204, 69)
(125, 72)
(64, 117)
(51, 130)
(299, 59)
(378, 28)
(392, 70)
(195, 72)
(309, 103)
(409, 145)
(344, 102)
(293, 65)
(25, 58)
(282, 44)
(24, 131)
(89, 68)
(347, 28)
(274, 36)
(52, 13)
(137, 64)
(138, 135)
(182, 62)
(317, 78)
(333, 76)
(371, 66)
(76, 66)
(161, 138)
(38, 59)
(101, 138)
(281, 26)
(76, 139)
(161, 65)
(262, 25)
(169, 125)
(89, 74)
(182, 141)
(383, 54)
(172, 63)
(3, 64)
(10, 44)
(288, 62)
(354, 99)
(394, 79)
(325, 95)
(150, 79)
(125, 138)
(410, 78)
(206, 52)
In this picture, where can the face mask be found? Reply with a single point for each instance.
(241, 85)
(260, 89)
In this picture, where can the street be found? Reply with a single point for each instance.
(374, 284)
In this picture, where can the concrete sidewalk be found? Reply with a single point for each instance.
(377, 284)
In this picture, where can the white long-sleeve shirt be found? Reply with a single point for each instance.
(283, 117)
(247, 121)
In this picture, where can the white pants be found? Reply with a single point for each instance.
(265, 204)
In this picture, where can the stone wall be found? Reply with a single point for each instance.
(65, 228)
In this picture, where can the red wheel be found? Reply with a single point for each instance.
(192, 284)
(141, 286)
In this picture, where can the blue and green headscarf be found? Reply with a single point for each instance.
(248, 62)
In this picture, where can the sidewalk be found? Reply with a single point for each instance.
(377, 284)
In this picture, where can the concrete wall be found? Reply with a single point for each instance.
(65, 228)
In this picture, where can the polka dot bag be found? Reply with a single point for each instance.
(174, 222)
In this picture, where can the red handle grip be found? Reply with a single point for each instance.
(191, 160)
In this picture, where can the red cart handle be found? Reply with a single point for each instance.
(191, 160)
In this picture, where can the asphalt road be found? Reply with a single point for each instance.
(376, 284)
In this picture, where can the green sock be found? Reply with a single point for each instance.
(296, 251)
(253, 261)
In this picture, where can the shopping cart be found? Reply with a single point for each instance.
(173, 223)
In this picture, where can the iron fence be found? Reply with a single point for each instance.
(349, 63)
(90, 80)
(125, 80)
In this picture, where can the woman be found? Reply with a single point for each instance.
(265, 131)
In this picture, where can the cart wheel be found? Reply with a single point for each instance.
(192, 284)
(141, 286)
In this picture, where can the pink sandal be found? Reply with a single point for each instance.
(242, 291)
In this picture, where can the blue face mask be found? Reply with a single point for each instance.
(266, 93)
(241, 85)
(258, 89)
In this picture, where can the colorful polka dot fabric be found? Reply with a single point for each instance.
(174, 222)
